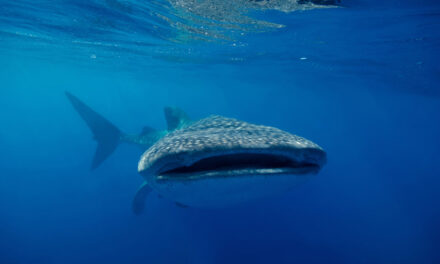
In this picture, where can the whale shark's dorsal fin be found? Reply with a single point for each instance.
(176, 118)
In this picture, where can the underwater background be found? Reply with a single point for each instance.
(361, 80)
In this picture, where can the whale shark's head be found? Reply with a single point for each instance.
(218, 161)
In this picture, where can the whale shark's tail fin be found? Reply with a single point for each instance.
(105, 133)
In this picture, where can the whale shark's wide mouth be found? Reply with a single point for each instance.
(239, 164)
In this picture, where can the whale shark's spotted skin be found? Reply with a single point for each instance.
(220, 161)
(217, 134)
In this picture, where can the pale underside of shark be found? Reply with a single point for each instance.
(212, 162)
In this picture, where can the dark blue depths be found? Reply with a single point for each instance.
(362, 81)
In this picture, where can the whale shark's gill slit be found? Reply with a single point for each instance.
(238, 162)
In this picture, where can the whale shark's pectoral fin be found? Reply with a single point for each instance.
(139, 199)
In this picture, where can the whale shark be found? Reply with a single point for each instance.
(212, 162)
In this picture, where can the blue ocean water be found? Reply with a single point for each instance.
(361, 80)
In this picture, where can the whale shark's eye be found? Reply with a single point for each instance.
(241, 161)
